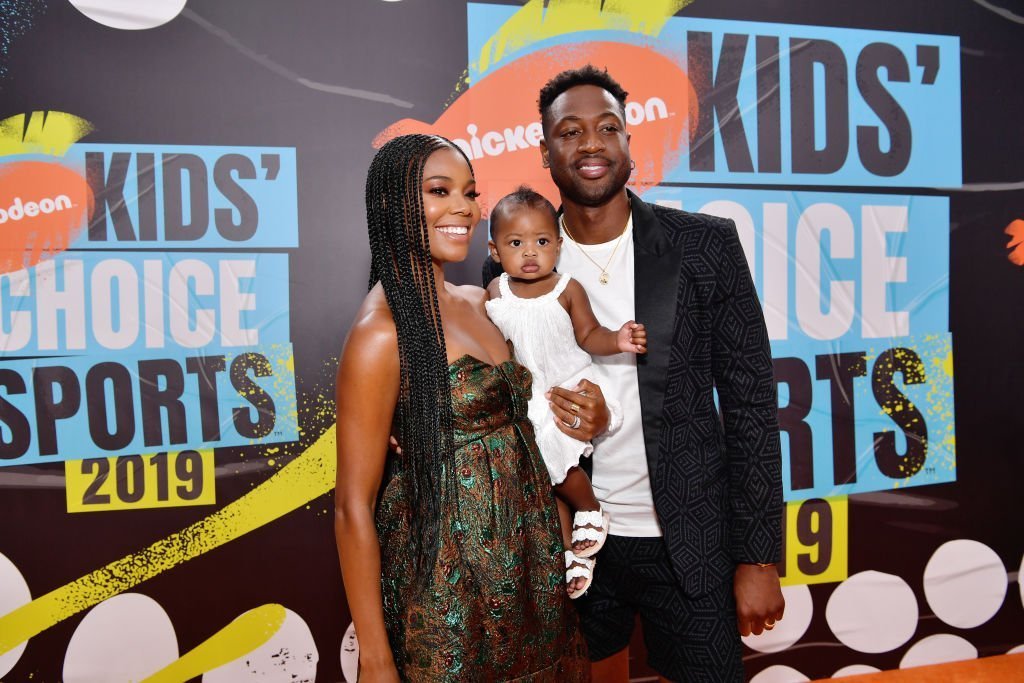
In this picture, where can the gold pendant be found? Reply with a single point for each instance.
(603, 279)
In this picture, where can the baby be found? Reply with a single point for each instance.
(553, 331)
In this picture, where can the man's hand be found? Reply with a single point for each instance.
(632, 338)
(759, 601)
(581, 412)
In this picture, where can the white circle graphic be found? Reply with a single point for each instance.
(1020, 579)
(855, 670)
(965, 583)
(795, 620)
(124, 638)
(290, 656)
(938, 649)
(14, 593)
(350, 654)
(779, 673)
(872, 612)
(130, 15)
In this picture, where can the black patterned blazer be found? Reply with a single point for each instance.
(716, 479)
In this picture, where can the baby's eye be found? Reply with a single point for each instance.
(515, 243)
(543, 241)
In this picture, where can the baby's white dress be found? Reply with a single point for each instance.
(543, 340)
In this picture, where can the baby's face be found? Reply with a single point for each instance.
(526, 244)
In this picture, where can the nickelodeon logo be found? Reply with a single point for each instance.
(497, 117)
(493, 143)
(43, 207)
(18, 211)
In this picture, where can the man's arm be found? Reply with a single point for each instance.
(742, 369)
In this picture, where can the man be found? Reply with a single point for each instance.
(695, 499)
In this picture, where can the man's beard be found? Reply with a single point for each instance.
(597, 196)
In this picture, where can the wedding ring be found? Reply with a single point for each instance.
(574, 408)
(575, 423)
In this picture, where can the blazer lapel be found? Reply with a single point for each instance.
(656, 274)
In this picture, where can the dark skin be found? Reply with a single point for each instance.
(367, 393)
(586, 148)
(526, 242)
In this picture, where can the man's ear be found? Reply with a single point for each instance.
(544, 154)
(493, 248)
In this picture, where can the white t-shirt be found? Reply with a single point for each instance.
(621, 481)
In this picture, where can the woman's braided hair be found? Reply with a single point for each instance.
(400, 261)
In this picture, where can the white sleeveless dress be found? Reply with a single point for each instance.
(543, 340)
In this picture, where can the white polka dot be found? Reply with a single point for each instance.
(965, 583)
(938, 649)
(1020, 579)
(1016, 650)
(130, 14)
(872, 612)
(855, 670)
(777, 673)
(14, 593)
(125, 638)
(290, 656)
(795, 620)
(350, 654)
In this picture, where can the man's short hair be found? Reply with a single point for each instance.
(522, 196)
(585, 75)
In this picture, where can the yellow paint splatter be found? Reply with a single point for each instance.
(533, 23)
(240, 637)
(42, 132)
(308, 476)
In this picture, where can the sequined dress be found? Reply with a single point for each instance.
(496, 608)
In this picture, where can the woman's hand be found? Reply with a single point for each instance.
(580, 412)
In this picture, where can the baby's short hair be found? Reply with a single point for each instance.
(523, 196)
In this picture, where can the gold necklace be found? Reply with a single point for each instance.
(603, 277)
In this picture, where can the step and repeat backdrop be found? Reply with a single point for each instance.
(182, 249)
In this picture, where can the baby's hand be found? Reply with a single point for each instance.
(632, 338)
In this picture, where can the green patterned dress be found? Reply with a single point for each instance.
(496, 608)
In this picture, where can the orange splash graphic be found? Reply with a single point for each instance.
(43, 206)
(1016, 244)
(497, 124)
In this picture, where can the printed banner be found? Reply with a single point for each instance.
(81, 407)
(828, 106)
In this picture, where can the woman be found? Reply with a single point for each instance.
(454, 570)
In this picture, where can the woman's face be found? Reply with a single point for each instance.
(449, 205)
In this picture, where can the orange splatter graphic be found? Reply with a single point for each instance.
(43, 206)
(501, 134)
(1016, 244)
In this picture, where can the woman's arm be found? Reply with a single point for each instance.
(591, 335)
(367, 391)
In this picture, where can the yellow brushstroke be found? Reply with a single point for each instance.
(308, 476)
(533, 23)
(239, 638)
(42, 132)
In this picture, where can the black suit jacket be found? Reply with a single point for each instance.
(716, 480)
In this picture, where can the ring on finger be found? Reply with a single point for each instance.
(575, 423)
(574, 407)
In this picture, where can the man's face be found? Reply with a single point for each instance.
(586, 145)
